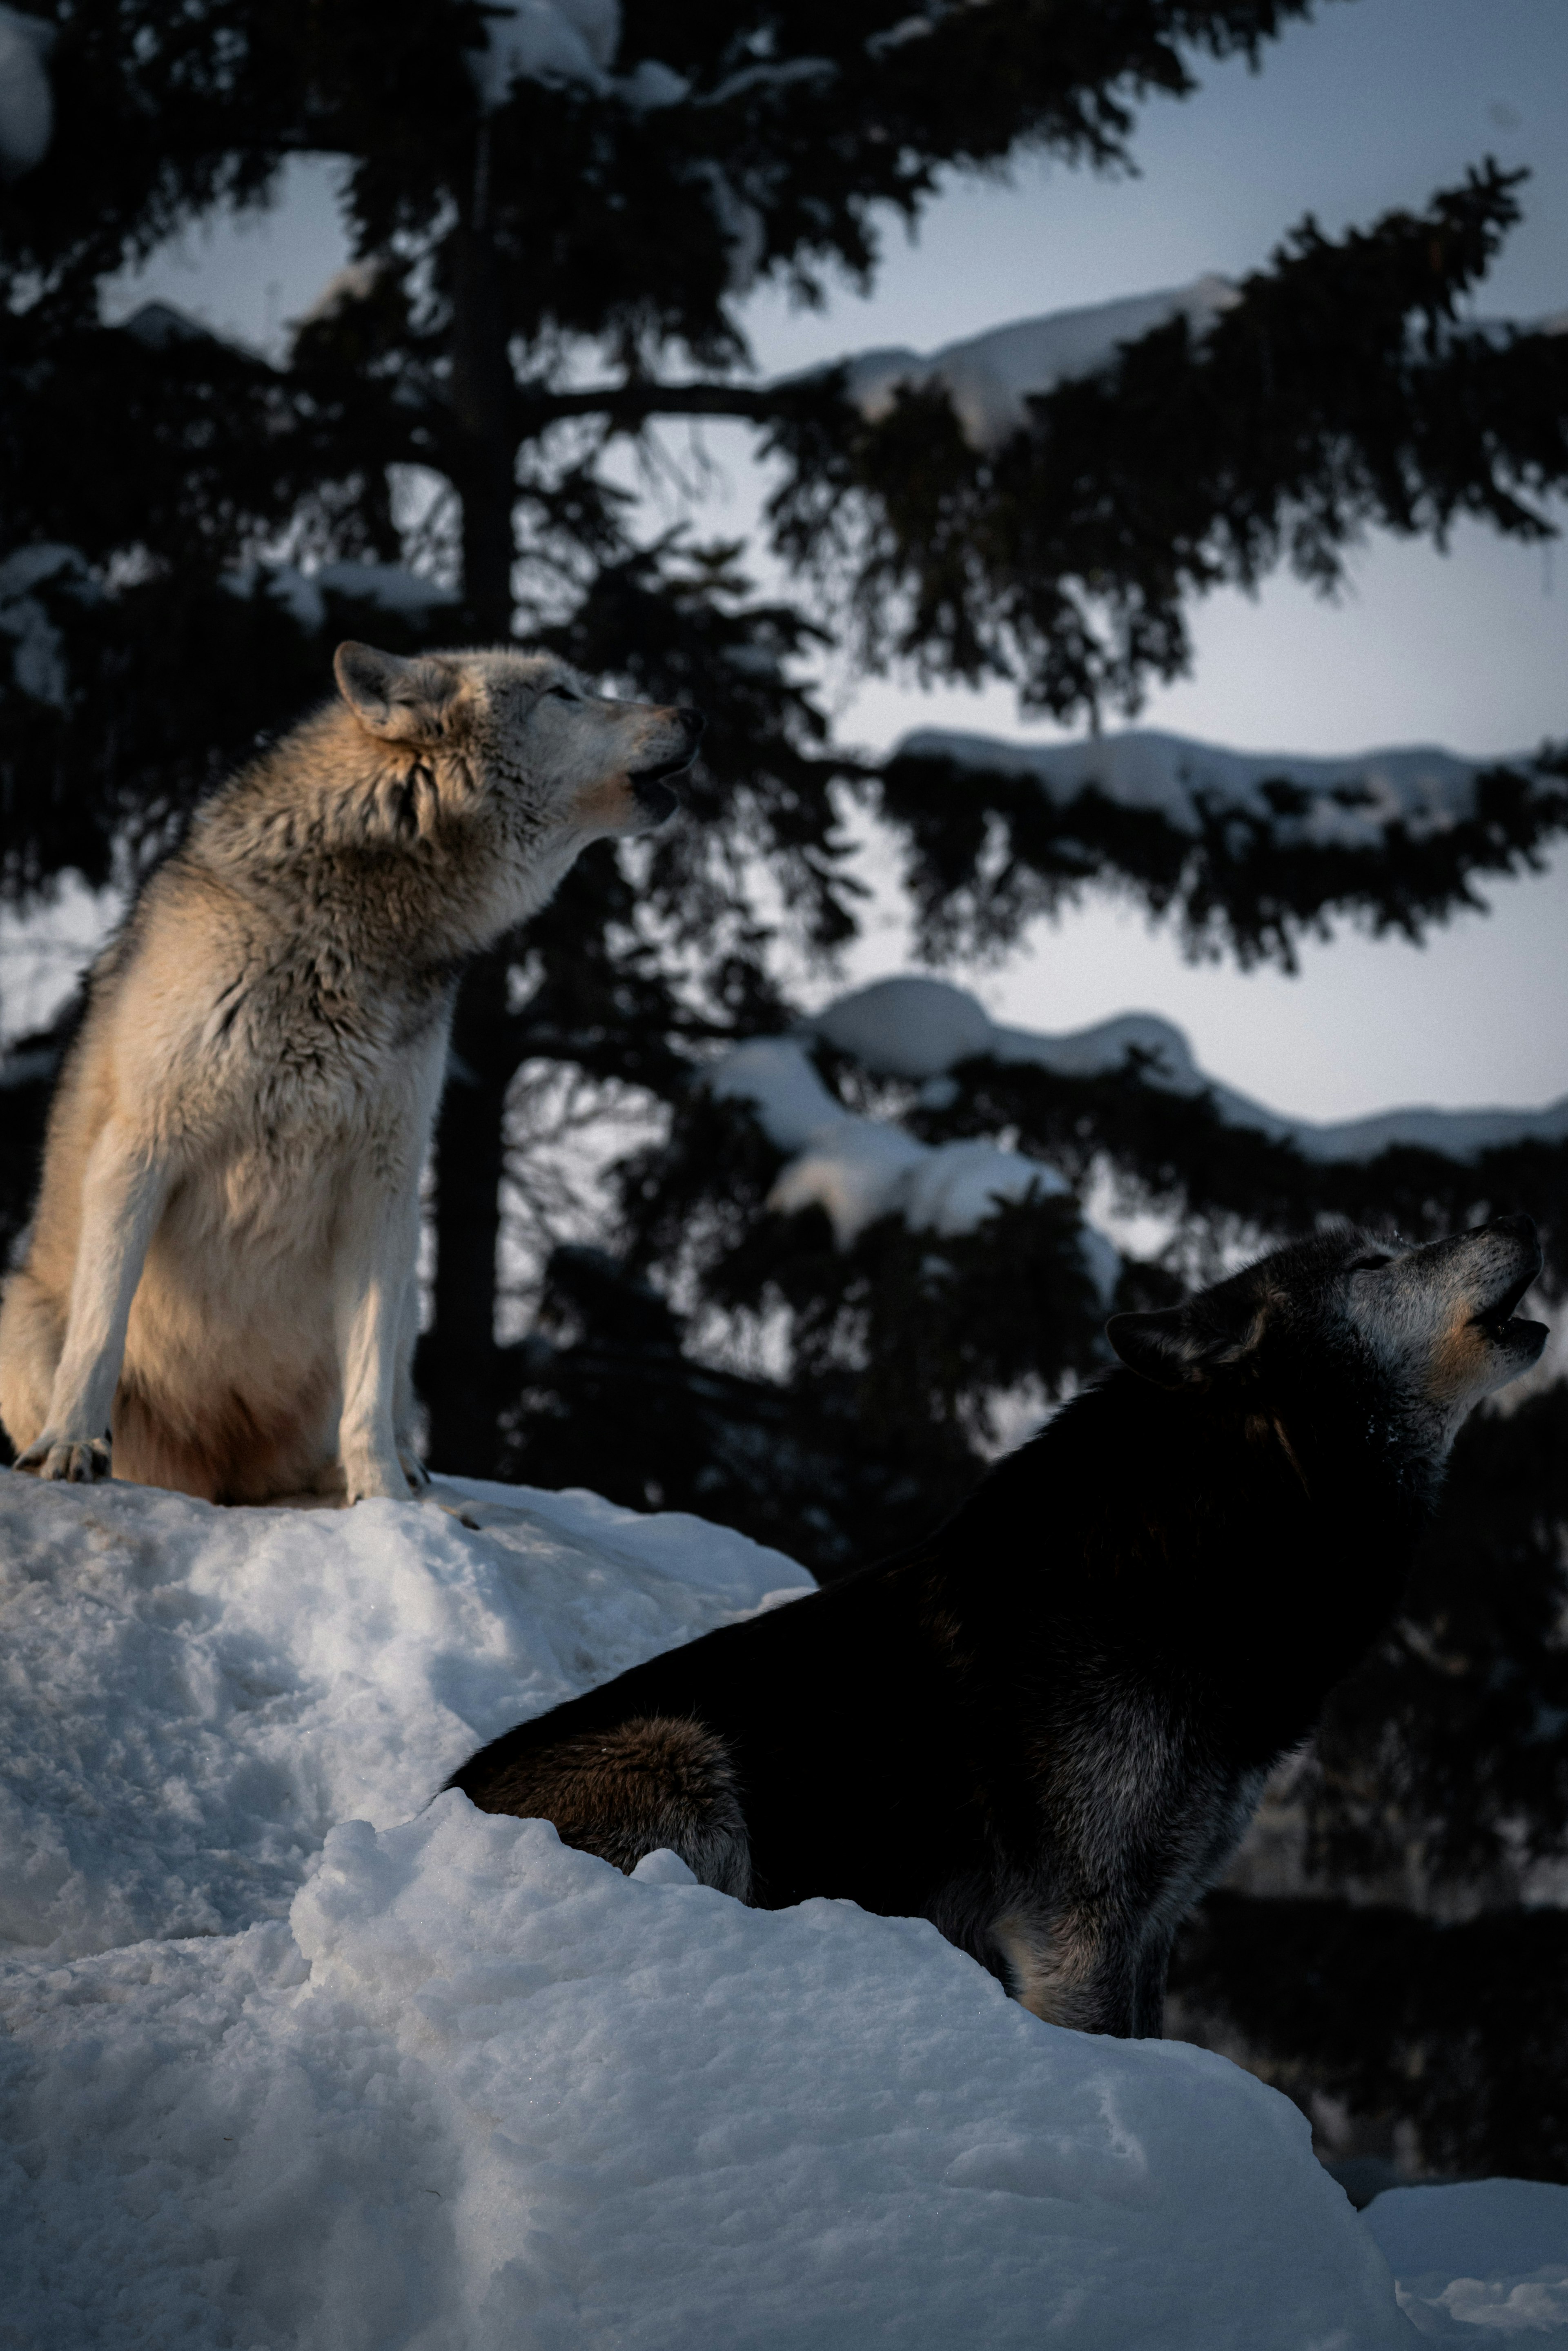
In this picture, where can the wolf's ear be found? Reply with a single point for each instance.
(400, 701)
(1173, 1348)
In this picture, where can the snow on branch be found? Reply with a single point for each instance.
(858, 1169)
(570, 42)
(1301, 799)
(27, 101)
(920, 1029)
(37, 658)
(1251, 849)
(390, 587)
(989, 378)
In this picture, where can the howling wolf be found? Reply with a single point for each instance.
(1046, 1728)
(220, 1281)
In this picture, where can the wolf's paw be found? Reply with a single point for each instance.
(374, 1473)
(413, 1469)
(79, 1460)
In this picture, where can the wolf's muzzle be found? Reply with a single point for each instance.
(1514, 1261)
(652, 785)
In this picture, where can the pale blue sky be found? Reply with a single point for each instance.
(1372, 105)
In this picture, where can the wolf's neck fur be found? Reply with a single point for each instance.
(416, 825)
(1243, 1546)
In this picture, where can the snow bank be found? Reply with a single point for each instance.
(192, 1696)
(448, 2086)
(857, 1168)
(1301, 798)
(918, 1028)
(1492, 2254)
(491, 2094)
(27, 101)
(988, 378)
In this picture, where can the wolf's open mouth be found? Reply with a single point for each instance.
(1496, 1320)
(652, 786)
(665, 768)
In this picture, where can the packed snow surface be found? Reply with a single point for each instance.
(192, 1696)
(1492, 2254)
(297, 2059)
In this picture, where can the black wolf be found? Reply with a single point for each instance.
(1046, 1728)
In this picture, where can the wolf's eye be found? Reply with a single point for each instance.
(562, 694)
(1369, 1263)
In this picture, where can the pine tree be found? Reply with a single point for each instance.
(555, 217)
(516, 210)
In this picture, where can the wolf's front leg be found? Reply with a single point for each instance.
(1077, 1964)
(124, 1187)
(374, 1270)
(403, 1400)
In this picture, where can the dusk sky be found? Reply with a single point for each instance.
(1371, 106)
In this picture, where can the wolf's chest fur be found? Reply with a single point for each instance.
(303, 1045)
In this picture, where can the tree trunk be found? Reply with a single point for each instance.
(459, 1363)
(482, 394)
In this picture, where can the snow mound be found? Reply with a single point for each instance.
(269, 2084)
(491, 2093)
(192, 1696)
(916, 1028)
(1492, 2254)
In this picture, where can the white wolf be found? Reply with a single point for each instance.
(221, 1277)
